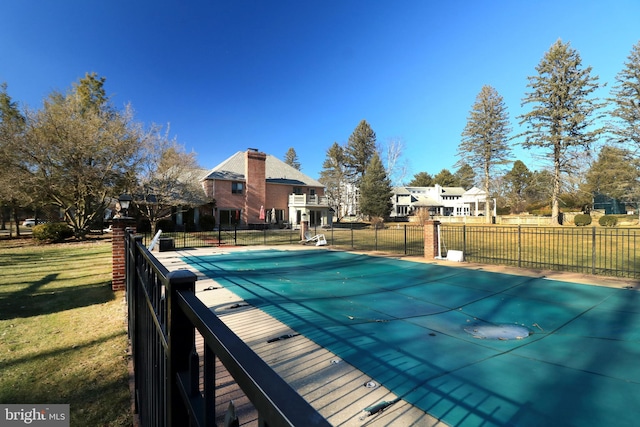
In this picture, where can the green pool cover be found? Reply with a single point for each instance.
(469, 347)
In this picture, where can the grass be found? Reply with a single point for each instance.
(62, 331)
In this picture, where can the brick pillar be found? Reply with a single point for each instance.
(117, 250)
(431, 239)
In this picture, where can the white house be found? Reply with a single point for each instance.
(438, 200)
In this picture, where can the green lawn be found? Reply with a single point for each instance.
(63, 331)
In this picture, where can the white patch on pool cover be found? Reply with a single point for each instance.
(498, 332)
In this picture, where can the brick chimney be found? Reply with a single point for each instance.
(256, 185)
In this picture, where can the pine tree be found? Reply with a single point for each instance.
(333, 177)
(484, 139)
(516, 183)
(421, 179)
(375, 190)
(615, 174)
(291, 158)
(465, 176)
(360, 150)
(626, 101)
(445, 178)
(562, 116)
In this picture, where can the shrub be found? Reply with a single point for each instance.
(608, 221)
(582, 219)
(52, 232)
(207, 222)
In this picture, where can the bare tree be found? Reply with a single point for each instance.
(392, 156)
(168, 179)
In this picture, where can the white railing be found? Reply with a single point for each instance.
(307, 200)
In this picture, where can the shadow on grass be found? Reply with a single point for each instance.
(85, 387)
(32, 301)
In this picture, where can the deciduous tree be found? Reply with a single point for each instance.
(168, 179)
(80, 149)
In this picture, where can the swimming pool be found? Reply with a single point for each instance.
(442, 338)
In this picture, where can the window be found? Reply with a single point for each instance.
(237, 188)
(297, 190)
(312, 191)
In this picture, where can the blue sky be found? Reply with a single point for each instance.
(228, 75)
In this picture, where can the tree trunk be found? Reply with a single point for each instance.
(15, 218)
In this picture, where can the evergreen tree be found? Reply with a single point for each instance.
(615, 174)
(422, 179)
(465, 176)
(445, 178)
(562, 116)
(484, 139)
(517, 182)
(626, 101)
(333, 176)
(360, 150)
(14, 190)
(375, 190)
(291, 158)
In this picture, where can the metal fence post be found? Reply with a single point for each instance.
(593, 250)
(405, 239)
(181, 341)
(352, 235)
(464, 239)
(375, 238)
(519, 245)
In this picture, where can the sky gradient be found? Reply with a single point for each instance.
(228, 75)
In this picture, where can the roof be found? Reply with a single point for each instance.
(277, 171)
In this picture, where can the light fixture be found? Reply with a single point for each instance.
(125, 201)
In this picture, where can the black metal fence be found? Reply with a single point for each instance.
(164, 315)
(403, 239)
(588, 250)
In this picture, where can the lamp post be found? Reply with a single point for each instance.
(124, 200)
(121, 223)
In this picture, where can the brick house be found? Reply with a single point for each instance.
(253, 189)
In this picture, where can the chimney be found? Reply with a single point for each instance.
(256, 185)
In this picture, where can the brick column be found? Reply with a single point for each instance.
(431, 239)
(118, 254)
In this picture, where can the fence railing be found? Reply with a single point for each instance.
(164, 315)
(395, 238)
(587, 250)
